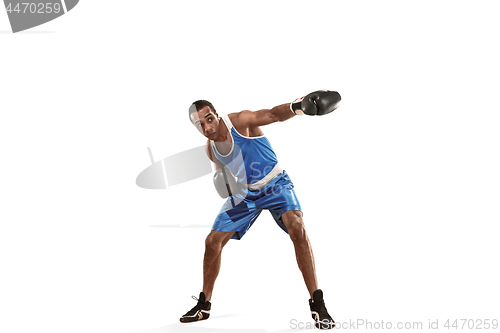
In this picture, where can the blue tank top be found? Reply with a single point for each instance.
(250, 158)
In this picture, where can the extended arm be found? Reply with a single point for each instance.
(314, 104)
(282, 112)
(265, 117)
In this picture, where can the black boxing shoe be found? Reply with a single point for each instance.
(319, 312)
(201, 311)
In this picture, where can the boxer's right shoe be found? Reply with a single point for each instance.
(201, 311)
(319, 312)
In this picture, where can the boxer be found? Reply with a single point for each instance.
(249, 176)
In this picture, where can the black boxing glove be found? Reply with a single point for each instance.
(317, 103)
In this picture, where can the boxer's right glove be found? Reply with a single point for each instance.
(317, 103)
(225, 183)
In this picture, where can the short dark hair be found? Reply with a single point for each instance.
(198, 105)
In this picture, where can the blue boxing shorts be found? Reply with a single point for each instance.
(241, 210)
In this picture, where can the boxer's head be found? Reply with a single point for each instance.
(204, 117)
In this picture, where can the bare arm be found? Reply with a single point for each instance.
(208, 150)
(266, 116)
(282, 112)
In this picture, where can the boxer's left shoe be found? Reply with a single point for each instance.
(319, 312)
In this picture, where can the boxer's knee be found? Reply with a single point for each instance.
(212, 243)
(216, 240)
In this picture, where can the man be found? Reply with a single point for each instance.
(248, 173)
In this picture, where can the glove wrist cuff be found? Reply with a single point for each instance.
(295, 106)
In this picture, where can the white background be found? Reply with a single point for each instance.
(399, 186)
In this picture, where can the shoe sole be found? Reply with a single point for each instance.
(199, 316)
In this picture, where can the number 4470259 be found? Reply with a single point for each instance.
(34, 8)
(472, 324)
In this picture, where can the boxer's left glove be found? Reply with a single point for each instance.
(317, 103)
(225, 183)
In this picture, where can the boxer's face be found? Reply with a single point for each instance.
(206, 122)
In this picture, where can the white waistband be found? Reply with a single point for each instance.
(267, 179)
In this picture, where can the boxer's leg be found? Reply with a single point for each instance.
(292, 219)
(230, 223)
(293, 222)
(214, 243)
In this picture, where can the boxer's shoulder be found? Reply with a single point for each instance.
(242, 123)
